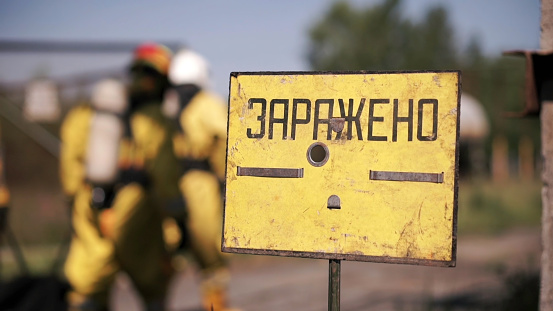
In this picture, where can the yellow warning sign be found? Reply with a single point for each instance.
(351, 166)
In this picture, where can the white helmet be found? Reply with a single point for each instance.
(474, 122)
(109, 95)
(189, 67)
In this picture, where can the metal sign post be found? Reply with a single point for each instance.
(343, 166)
(334, 266)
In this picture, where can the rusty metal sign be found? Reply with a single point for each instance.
(343, 165)
(538, 70)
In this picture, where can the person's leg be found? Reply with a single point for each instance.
(90, 267)
(139, 244)
(202, 194)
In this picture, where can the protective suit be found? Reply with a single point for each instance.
(201, 147)
(118, 167)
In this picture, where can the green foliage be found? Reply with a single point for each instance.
(379, 37)
(499, 85)
(491, 208)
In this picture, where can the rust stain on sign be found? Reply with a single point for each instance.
(350, 166)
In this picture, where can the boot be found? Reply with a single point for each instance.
(214, 290)
(216, 300)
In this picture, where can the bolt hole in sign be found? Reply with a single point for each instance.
(343, 165)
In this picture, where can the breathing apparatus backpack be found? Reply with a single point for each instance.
(108, 130)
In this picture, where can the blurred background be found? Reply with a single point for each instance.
(51, 53)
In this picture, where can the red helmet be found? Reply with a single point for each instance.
(154, 55)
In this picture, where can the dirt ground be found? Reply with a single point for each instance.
(279, 283)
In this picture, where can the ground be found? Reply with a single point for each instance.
(279, 283)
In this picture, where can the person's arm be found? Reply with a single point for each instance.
(215, 116)
(74, 139)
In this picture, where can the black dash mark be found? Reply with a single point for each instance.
(270, 172)
(407, 176)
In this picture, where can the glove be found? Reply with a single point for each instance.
(106, 222)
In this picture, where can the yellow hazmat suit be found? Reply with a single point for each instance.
(74, 137)
(127, 235)
(201, 146)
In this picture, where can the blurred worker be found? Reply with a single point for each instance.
(4, 193)
(118, 166)
(201, 146)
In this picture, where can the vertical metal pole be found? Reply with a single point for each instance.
(546, 115)
(334, 285)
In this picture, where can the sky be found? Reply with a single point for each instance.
(237, 35)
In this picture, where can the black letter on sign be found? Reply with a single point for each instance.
(260, 118)
(372, 119)
(434, 135)
(283, 121)
(350, 118)
(295, 119)
(408, 119)
(318, 103)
